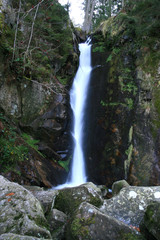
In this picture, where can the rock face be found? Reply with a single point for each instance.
(131, 203)
(34, 88)
(58, 222)
(151, 220)
(69, 199)
(28, 213)
(21, 213)
(12, 236)
(123, 107)
(90, 223)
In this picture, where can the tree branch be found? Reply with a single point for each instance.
(24, 16)
(15, 38)
(44, 85)
(35, 15)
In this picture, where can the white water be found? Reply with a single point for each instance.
(78, 95)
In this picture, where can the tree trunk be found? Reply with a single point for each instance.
(122, 3)
(89, 9)
(110, 7)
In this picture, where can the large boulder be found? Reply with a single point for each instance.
(69, 199)
(131, 203)
(117, 186)
(11, 236)
(46, 198)
(90, 223)
(20, 212)
(57, 221)
(151, 221)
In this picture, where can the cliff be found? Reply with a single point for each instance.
(124, 98)
(37, 64)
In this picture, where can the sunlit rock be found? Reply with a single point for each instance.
(20, 211)
(69, 199)
(131, 203)
(90, 223)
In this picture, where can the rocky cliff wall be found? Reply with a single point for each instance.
(123, 111)
(37, 64)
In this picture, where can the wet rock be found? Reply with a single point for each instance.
(90, 223)
(131, 203)
(69, 199)
(151, 220)
(57, 221)
(117, 186)
(20, 212)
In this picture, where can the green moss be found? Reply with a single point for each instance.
(149, 215)
(65, 204)
(12, 149)
(32, 143)
(68, 200)
(80, 227)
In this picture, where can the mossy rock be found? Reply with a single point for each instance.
(21, 213)
(152, 219)
(69, 199)
(11, 236)
(117, 186)
(89, 222)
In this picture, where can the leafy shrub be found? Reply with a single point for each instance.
(11, 150)
(31, 142)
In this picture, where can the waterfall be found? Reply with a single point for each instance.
(78, 95)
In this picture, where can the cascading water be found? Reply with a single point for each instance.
(78, 95)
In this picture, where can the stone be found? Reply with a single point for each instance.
(131, 203)
(57, 221)
(46, 198)
(152, 218)
(69, 199)
(20, 212)
(10, 100)
(11, 236)
(117, 186)
(90, 223)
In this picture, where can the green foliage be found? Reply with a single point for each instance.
(114, 52)
(148, 14)
(32, 143)
(11, 151)
(109, 58)
(65, 164)
(128, 87)
(63, 80)
(128, 103)
(104, 104)
(51, 41)
(99, 47)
